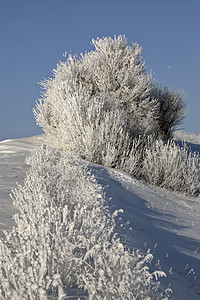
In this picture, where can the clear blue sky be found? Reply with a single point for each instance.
(34, 34)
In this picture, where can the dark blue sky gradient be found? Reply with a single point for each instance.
(35, 34)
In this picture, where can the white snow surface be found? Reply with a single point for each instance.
(168, 223)
(12, 170)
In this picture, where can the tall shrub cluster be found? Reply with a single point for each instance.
(103, 106)
(97, 104)
(65, 241)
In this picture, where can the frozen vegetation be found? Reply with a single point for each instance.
(164, 222)
(104, 107)
(65, 238)
(87, 223)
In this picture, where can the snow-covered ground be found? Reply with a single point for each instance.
(166, 222)
(12, 170)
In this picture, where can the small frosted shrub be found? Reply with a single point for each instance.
(65, 239)
(172, 167)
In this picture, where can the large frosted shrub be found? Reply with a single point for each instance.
(172, 167)
(90, 127)
(65, 239)
(94, 128)
(103, 106)
(97, 104)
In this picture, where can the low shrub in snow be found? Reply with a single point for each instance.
(172, 167)
(65, 239)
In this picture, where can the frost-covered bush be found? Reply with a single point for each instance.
(103, 106)
(65, 239)
(97, 104)
(172, 167)
(93, 128)
(90, 127)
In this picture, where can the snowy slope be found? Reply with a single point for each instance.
(163, 221)
(12, 170)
